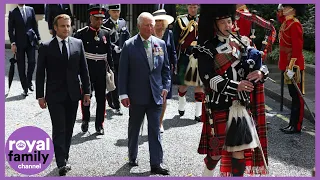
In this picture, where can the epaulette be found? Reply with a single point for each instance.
(84, 28)
(183, 15)
(105, 28)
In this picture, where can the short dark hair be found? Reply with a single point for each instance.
(61, 16)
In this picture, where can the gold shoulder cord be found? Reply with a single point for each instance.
(283, 28)
(187, 29)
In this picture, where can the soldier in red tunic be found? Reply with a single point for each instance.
(291, 61)
(241, 24)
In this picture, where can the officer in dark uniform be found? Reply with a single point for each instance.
(97, 45)
(119, 34)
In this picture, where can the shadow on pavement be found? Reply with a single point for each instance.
(53, 173)
(15, 98)
(177, 121)
(79, 139)
(125, 171)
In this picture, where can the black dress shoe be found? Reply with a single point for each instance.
(198, 119)
(159, 170)
(25, 93)
(133, 163)
(31, 88)
(118, 112)
(63, 170)
(291, 130)
(84, 126)
(181, 113)
(111, 106)
(100, 131)
(282, 129)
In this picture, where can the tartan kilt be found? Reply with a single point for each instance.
(254, 161)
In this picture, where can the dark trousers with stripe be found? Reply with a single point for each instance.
(297, 106)
(97, 72)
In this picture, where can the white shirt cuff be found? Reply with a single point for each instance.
(123, 96)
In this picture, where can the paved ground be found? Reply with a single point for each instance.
(101, 156)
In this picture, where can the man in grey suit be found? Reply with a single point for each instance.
(60, 61)
(144, 80)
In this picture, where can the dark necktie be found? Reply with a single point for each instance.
(64, 50)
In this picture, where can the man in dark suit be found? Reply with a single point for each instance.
(119, 34)
(54, 10)
(62, 59)
(24, 36)
(144, 81)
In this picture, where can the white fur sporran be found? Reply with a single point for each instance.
(240, 131)
(192, 77)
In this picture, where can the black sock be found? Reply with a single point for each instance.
(238, 167)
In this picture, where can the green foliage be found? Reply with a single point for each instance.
(181, 9)
(309, 57)
(269, 11)
(273, 57)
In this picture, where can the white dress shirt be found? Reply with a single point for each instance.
(61, 44)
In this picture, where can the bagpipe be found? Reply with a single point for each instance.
(270, 31)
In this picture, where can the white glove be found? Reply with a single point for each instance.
(117, 49)
(290, 74)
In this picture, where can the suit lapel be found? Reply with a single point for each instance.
(57, 47)
(18, 12)
(71, 48)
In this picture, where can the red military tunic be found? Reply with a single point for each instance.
(244, 25)
(291, 43)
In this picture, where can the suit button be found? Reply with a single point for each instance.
(97, 46)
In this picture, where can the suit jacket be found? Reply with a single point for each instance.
(20, 32)
(135, 77)
(55, 10)
(171, 49)
(62, 77)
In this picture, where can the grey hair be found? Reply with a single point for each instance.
(144, 15)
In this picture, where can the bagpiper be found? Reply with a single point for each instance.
(232, 74)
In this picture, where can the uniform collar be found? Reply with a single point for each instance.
(223, 38)
(114, 21)
(192, 17)
(93, 29)
(289, 17)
